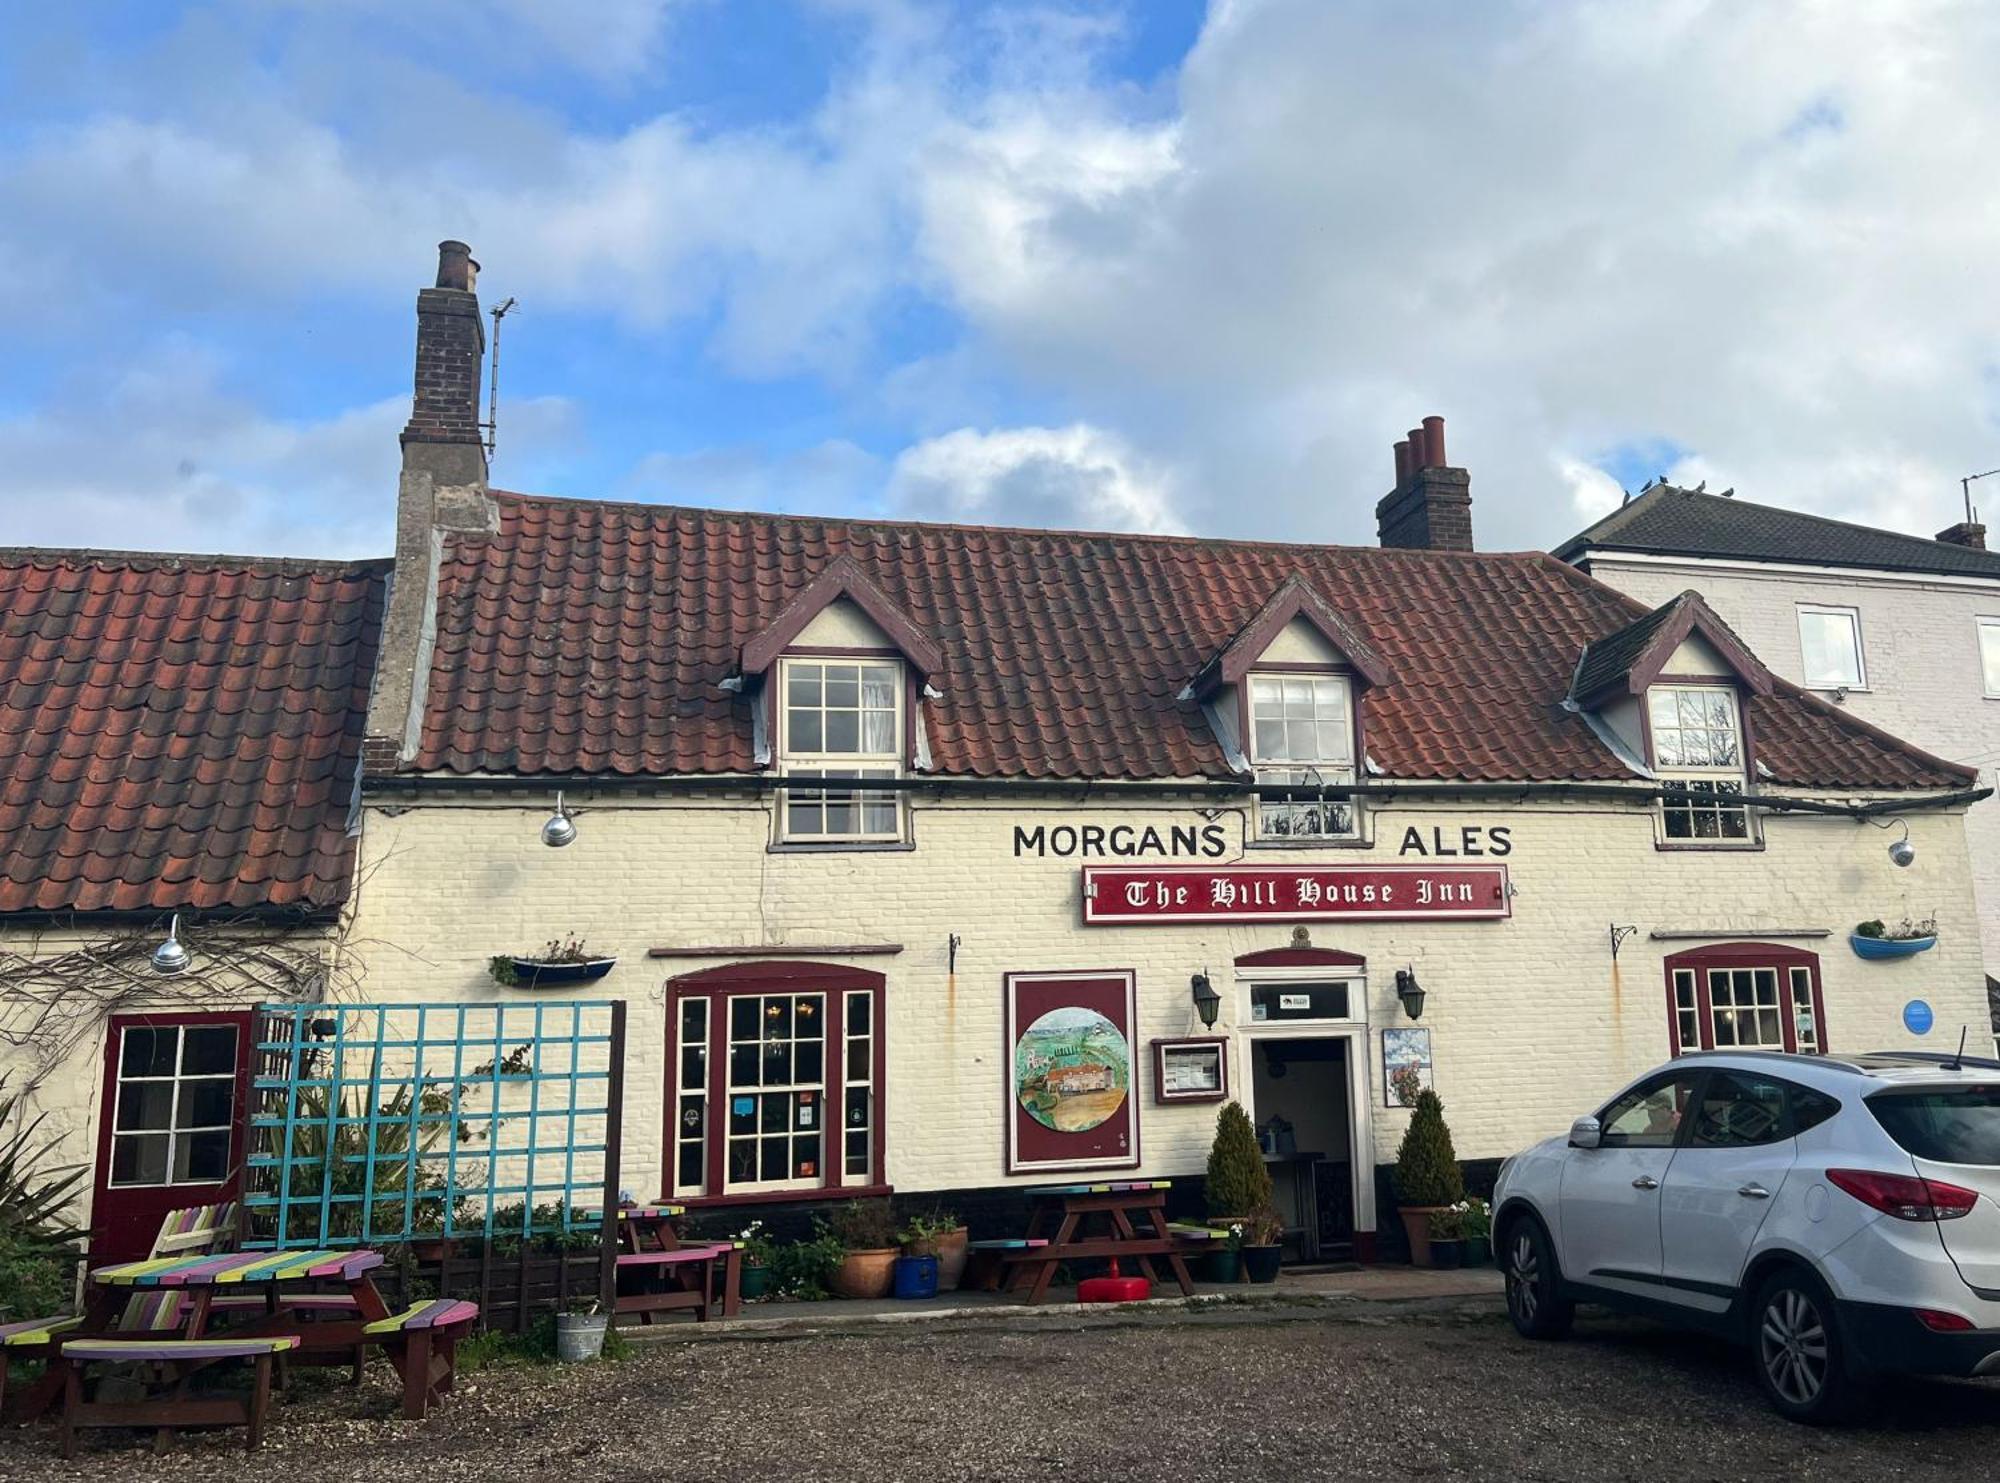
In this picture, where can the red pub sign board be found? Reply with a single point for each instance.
(1125, 895)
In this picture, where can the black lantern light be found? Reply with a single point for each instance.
(1410, 992)
(1206, 1000)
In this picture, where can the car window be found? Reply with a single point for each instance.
(1648, 1116)
(1811, 1108)
(1950, 1125)
(1738, 1109)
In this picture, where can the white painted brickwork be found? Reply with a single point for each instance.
(1920, 652)
(1532, 1022)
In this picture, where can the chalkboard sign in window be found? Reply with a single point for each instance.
(1279, 1002)
(1194, 1069)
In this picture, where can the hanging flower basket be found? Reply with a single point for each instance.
(538, 973)
(562, 962)
(1889, 947)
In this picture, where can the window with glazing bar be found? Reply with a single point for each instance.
(1302, 731)
(1697, 738)
(841, 718)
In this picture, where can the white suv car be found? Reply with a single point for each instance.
(1840, 1215)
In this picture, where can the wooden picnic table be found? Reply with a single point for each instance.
(659, 1274)
(1129, 1218)
(212, 1286)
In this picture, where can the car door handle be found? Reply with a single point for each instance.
(1754, 1192)
(1645, 1181)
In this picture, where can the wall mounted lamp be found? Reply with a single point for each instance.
(1410, 992)
(559, 828)
(1206, 1000)
(172, 957)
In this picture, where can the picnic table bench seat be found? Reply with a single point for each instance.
(1181, 1230)
(422, 1342)
(172, 1405)
(677, 1257)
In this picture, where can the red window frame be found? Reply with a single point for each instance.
(1781, 960)
(719, 986)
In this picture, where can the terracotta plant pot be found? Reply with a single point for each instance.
(951, 1253)
(1417, 1226)
(866, 1274)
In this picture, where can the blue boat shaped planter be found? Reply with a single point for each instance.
(1889, 947)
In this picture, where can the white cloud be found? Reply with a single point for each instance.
(1075, 477)
(1571, 227)
(166, 457)
(1743, 230)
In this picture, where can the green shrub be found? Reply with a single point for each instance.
(805, 1269)
(37, 1277)
(1427, 1171)
(1238, 1182)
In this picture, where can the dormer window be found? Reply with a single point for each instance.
(1697, 743)
(841, 718)
(1302, 731)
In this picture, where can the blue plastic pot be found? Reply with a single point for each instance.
(916, 1276)
(1883, 947)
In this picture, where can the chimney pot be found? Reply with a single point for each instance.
(1405, 465)
(1434, 442)
(456, 269)
(1420, 453)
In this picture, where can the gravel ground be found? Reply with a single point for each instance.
(1346, 1391)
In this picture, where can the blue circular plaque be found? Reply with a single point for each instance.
(1917, 1017)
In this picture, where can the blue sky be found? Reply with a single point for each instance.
(1152, 265)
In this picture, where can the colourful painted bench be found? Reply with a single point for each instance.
(984, 1258)
(1180, 1230)
(187, 1232)
(422, 1342)
(173, 1405)
(705, 1277)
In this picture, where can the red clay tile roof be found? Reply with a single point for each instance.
(591, 637)
(180, 732)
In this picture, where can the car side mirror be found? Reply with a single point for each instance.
(1585, 1132)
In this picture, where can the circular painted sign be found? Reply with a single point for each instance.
(1071, 1069)
(1917, 1017)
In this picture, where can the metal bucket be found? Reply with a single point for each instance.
(580, 1336)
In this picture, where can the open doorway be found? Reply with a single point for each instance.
(1302, 1095)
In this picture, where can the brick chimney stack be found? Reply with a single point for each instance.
(1965, 533)
(451, 342)
(1430, 509)
(442, 496)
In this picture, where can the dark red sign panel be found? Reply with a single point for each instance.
(1116, 894)
(1072, 1078)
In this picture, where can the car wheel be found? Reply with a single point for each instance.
(1800, 1356)
(1534, 1286)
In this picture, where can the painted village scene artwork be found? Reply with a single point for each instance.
(1072, 1069)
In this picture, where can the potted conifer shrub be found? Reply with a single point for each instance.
(1238, 1186)
(1428, 1179)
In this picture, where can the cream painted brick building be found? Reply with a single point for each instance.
(1921, 620)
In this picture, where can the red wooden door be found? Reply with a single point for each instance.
(173, 1124)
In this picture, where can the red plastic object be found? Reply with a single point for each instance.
(1113, 1289)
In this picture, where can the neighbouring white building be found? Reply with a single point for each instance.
(1897, 630)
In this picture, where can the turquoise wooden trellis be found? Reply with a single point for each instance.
(373, 1124)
